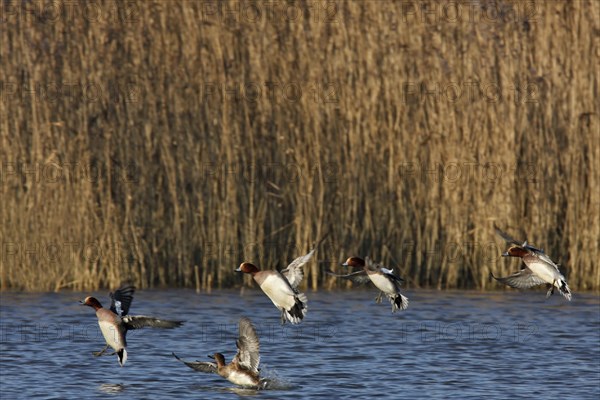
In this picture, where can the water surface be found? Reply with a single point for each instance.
(447, 344)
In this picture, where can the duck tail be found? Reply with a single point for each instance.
(564, 289)
(122, 354)
(298, 311)
(399, 302)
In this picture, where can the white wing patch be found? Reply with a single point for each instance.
(118, 308)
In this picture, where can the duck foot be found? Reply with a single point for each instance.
(550, 290)
(101, 352)
(378, 298)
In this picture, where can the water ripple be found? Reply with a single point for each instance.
(447, 344)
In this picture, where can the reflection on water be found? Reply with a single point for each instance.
(241, 391)
(447, 344)
(111, 388)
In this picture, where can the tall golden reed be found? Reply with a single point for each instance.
(139, 139)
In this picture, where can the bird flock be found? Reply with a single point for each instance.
(281, 287)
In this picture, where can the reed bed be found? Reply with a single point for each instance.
(150, 140)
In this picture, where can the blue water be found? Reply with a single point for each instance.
(507, 344)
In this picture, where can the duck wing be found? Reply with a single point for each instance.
(294, 272)
(523, 279)
(390, 273)
(120, 299)
(248, 346)
(532, 249)
(359, 277)
(507, 238)
(524, 245)
(142, 321)
(202, 366)
(373, 266)
(536, 257)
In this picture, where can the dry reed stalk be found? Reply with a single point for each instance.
(157, 138)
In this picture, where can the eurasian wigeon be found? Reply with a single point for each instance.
(539, 268)
(115, 323)
(384, 279)
(243, 369)
(282, 287)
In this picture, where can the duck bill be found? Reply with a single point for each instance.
(344, 264)
(238, 269)
(505, 254)
(211, 356)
